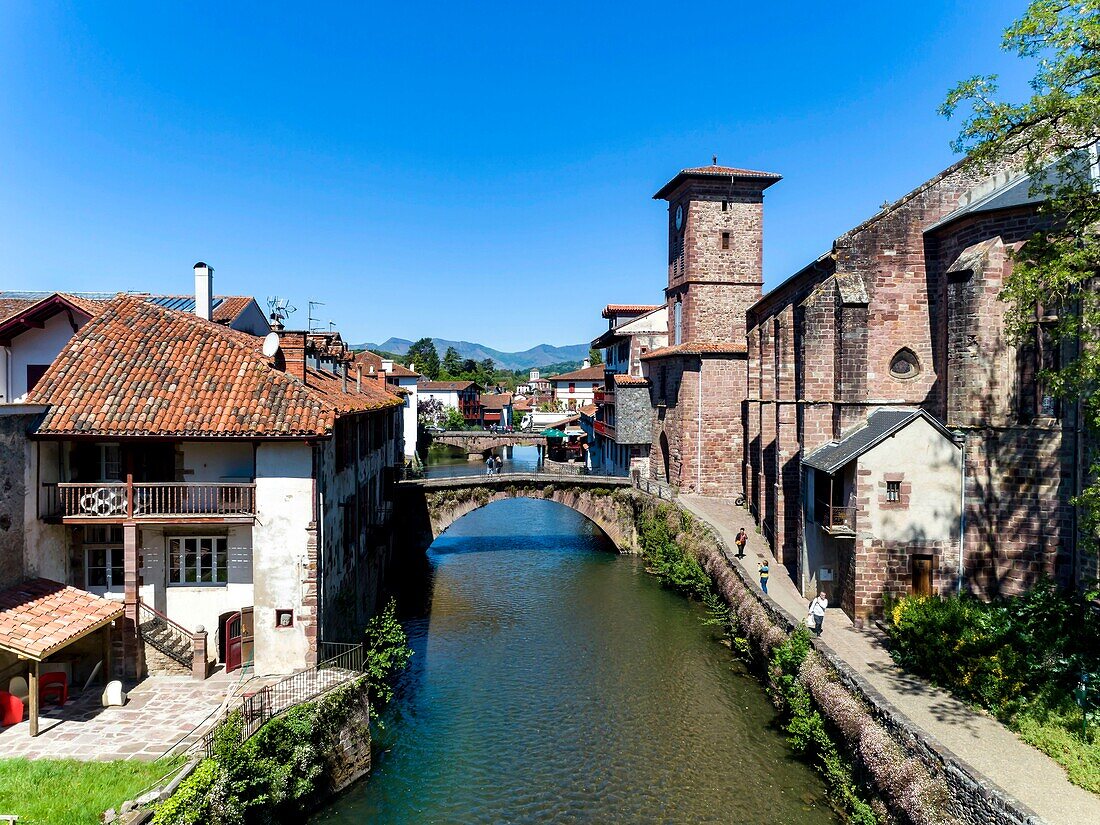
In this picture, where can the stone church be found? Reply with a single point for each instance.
(870, 408)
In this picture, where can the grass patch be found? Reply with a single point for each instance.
(1055, 734)
(68, 792)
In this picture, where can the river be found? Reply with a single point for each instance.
(555, 681)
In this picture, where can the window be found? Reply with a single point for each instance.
(34, 374)
(198, 560)
(108, 462)
(725, 240)
(725, 206)
(572, 387)
(677, 326)
(103, 570)
(893, 491)
(904, 364)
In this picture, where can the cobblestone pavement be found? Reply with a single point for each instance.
(985, 744)
(163, 714)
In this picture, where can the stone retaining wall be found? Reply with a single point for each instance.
(966, 795)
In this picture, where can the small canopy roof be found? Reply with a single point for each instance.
(880, 425)
(553, 433)
(40, 617)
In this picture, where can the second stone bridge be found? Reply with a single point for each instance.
(479, 442)
(427, 507)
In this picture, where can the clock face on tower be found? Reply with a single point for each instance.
(679, 216)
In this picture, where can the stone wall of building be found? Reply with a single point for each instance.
(633, 415)
(15, 509)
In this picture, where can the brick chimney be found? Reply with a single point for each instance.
(292, 346)
(204, 291)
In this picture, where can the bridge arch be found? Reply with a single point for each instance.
(426, 509)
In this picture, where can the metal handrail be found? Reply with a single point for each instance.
(259, 708)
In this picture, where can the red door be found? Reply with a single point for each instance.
(233, 643)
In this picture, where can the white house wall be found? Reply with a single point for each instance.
(284, 511)
(217, 461)
(931, 466)
(409, 414)
(35, 346)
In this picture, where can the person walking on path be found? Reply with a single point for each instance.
(740, 541)
(490, 465)
(498, 464)
(764, 573)
(817, 611)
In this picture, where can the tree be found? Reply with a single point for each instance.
(486, 373)
(453, 420)
(1052, 136)
(423, 354)
(452, 362)
(595, 356)
(429, 412)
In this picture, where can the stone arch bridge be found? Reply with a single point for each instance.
(425, 508)
(478, 442)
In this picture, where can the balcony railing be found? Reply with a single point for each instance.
(603, 396)
(128, 500)
(835, 520)
(604, 429)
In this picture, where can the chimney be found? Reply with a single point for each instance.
(387, 366)
(358, 377)
(292, 346)
(204, 290)
(585, 364)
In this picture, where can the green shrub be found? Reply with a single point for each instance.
(675, 566)
(387, 653)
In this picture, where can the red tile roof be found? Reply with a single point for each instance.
(445, 386)
(585, 374)
(631, 381)
(696, 348)
(496, 401)
(716, 171)
(140, 369)
(612, 310)
(39, 617)
(10, 306)
(370, 359)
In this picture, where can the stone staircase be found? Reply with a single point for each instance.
(174, 645)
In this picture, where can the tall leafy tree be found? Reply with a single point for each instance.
(1052, 135)
(452, 362)
(595, 356)
(423, 354)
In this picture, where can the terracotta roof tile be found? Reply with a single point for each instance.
(41, 616)
(696, 348)
(586, 374)
(140, 369)
(626, 309)
(631, 381)
(370, 359)
(716, 171)
(496, 401)
(445, 386)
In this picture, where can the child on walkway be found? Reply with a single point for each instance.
(764, 572)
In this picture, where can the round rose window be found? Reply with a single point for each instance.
(904, 364)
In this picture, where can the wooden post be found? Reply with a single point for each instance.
(33, 697)
(130, 496)
(106, 642)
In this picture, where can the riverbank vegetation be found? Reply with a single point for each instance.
(82, 791)
(284, 771)
(1021, 659)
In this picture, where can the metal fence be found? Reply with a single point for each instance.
(338, 664)
(653, 487)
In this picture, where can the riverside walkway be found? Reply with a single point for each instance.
(1019, 770)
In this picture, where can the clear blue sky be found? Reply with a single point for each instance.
(461, 170)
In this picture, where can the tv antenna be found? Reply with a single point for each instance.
(280, 309)
(310, 320)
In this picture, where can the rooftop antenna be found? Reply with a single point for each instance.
(280, 308)
(714, 160)
(310, 320)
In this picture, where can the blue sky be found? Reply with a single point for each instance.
(469, 171)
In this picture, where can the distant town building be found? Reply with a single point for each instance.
(464, 396)
(573, 390)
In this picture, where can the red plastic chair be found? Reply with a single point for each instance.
(55, 685)
(11, 709)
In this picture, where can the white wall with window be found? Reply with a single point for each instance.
(194, 575)
(32, 351)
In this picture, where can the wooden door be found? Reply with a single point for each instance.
(922, 575)
(233, 642)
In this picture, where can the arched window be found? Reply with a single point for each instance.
(904, 364)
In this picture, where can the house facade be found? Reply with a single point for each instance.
(623, 422)
(398, 379)
(180, 469)
(573, 390)
(464, 396)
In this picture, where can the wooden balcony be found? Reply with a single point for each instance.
(603, 396)
(604, 429)
(836, 521)
(112, 502)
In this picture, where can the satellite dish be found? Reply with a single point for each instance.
(271, 344)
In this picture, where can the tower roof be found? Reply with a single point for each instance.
(719, 172)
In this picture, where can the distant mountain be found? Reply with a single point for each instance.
(538, 356)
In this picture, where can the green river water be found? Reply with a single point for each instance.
(555, 681)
